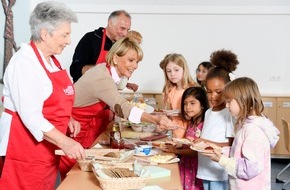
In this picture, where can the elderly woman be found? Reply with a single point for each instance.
(38, 100)
(96, 91)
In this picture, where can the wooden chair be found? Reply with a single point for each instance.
(286, 131)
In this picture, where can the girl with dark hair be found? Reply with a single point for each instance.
(202, 71)
(194, 104)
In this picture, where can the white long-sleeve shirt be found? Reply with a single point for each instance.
(26, 87)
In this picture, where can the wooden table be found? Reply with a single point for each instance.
(77, 179)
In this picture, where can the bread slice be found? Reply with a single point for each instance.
(113, 154)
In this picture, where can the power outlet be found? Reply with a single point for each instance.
(274, 78)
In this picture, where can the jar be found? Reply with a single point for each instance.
(116, 141)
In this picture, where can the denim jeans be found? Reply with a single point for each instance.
(215, 185)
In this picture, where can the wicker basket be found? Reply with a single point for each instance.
(86, 165)
(122, 183)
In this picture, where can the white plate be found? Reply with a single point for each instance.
(182, 141)
(152, 152)
(172, 112)
(199, 150)
(174, 160)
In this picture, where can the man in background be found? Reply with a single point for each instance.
(93, 47)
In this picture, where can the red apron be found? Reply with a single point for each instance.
(94, 120)
(30, 164)
(103, 53)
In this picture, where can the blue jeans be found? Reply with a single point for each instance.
(215, 185)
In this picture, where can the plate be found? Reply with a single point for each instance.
(182, 141)
(172, 112)
(142, 154)
(174, 160)
(200, 150)
(160, 161)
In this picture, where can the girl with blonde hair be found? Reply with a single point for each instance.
(249, 163)
(177, 80)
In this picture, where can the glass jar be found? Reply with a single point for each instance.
(116, 141)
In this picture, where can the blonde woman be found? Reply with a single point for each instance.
(97, 96)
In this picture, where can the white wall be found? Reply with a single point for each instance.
(257, 31)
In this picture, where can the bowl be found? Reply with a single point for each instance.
(143, 149)
(137, 127)
(149, 128)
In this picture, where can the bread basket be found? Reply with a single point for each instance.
(86, 166)
(98, 155)
(122, 183)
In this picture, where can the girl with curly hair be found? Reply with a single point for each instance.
(218, 125)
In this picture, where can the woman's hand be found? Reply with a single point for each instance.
(70, 147)
(86, 67)
(73, 149)
(74, 127)
(132, 86)
(166, 124)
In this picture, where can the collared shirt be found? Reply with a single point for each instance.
(26, 87)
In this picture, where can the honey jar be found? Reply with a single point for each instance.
(116, 141)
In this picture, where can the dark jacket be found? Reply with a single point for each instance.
(87, 52)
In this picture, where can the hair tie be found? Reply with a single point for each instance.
(232, 76)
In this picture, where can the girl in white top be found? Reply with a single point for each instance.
(218, 125)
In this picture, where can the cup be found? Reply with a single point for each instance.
(143, 149)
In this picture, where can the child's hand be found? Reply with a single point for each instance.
(169, 148)
(214, 155)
